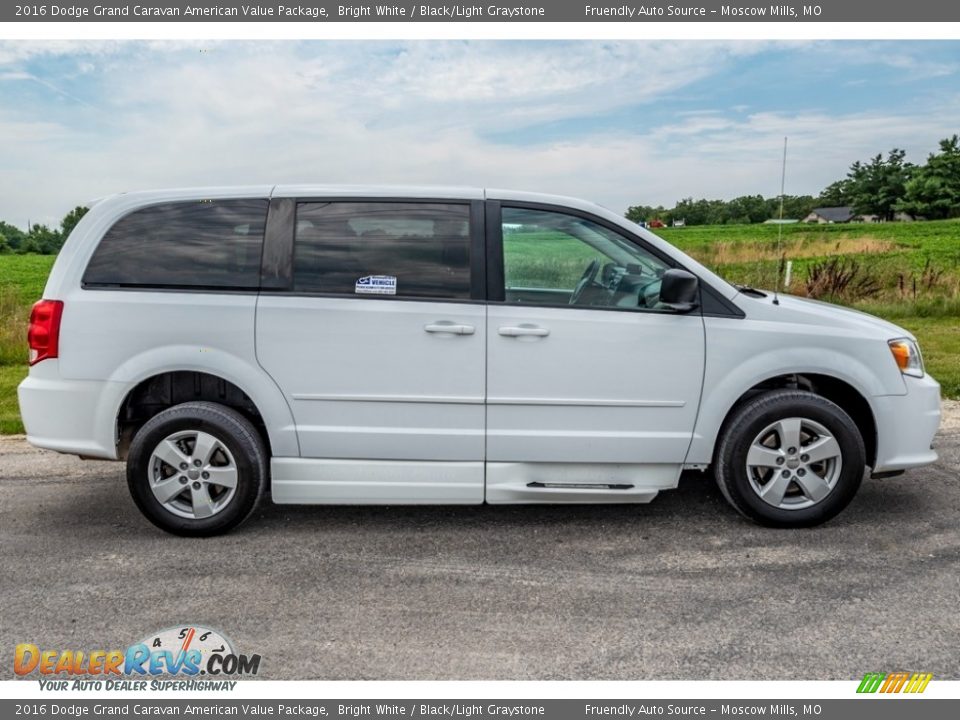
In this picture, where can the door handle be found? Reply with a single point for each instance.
(449, 328)
(523, 330)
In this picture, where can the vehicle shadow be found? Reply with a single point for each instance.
(696, 503)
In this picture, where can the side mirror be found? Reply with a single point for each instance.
(679, 290)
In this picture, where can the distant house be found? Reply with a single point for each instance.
(824, 216)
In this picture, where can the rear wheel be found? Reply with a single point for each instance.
(790, 458)
(197, 469)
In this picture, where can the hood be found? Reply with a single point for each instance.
(814, 312)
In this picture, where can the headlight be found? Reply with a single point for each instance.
(906, 353)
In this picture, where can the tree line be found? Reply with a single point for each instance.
(38, 239)
(881, 186)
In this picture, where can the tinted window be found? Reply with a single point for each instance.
(198, 244)
(383, 248)
(552, 258)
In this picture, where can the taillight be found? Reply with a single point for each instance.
(43, 337)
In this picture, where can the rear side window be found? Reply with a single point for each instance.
(362, 249)
(197, 244)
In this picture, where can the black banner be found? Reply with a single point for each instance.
(875, 708)
(498, 11)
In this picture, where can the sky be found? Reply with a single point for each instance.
(620, 123)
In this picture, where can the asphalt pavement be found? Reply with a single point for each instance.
(683, 588)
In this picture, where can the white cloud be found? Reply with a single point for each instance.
(17, 51)
(171, 115)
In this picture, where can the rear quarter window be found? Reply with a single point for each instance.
(198, 244)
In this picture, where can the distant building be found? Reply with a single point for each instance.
(897, 217)
(829, 215)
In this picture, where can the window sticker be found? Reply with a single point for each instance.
(376, 285)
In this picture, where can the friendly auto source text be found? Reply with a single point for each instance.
(640, 12)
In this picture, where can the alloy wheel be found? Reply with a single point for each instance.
(794, 463)
(192, 474)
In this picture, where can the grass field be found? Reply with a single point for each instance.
(915, 268)
(22, 278)
(893, 254)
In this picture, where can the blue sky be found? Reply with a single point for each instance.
(617, 122)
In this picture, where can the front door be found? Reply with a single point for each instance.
(381, 353)
(592, 385)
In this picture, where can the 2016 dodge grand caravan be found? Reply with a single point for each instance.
(445, 345)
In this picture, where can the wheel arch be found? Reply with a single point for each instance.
(838, 391)
(155, 392)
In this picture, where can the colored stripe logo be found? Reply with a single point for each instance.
(898, 682)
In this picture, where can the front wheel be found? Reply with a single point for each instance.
(790, 458)
(197, 469)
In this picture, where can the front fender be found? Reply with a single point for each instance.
(725, 382)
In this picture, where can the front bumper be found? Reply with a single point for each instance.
(906, 425)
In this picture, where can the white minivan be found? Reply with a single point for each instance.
(390, 345)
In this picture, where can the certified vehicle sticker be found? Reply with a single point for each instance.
(376, 285)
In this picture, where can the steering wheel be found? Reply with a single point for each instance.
(588, 277)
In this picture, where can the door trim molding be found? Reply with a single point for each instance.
(467, 400)
(585, 402)
(429, 399)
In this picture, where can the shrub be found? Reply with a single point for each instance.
(841, 279)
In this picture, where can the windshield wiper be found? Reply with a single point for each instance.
(747, 290)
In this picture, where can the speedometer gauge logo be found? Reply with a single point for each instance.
(180, 640)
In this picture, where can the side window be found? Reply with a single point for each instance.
(413, 250)
(198, 244)
(551, 258)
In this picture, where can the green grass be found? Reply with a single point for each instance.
(939, 339)
(938, 236)
(907, 260)
(22, 278)
(10, 377)
(26, 275)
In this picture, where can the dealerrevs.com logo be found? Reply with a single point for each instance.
(186, 652)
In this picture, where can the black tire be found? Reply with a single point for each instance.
(234, 431)
(750, 420)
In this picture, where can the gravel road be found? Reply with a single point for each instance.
(682, 588)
